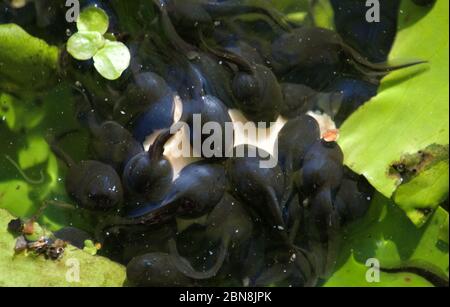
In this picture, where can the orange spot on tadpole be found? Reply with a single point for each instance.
(331, 135)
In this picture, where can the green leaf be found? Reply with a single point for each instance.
(20, 114)
(36, 152)
(444, 231)
(26, 62)
(410, 114)
(84, 45)
(112, 60)
(323, 14)
(93, 19)
(416, 200)
(353, 274)
(28, 270)
(387, 235)
(14, 196)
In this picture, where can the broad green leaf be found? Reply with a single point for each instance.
(93, 19)
(415, 200)
(29, 270)
(387, 235)
(410, 114)
(112, 60)
(353, 274)
(26, 62)
(84, 45)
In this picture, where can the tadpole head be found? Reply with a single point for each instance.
(94, 186)
(323, 166)
(353, 199)
(258, 94)
(245, 87)
(212, 113)
(297, 99)
(295, 140)
(148, 88)
(147, 177)
(149, 174)
(112, 144)
(199, 187)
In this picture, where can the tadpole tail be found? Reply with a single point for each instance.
(87, 98)
(273, 275)
(376, 69)
(325, 237)
(305, 260)
(230, 8)
(274, 208)
(157, 148)
(333, 246)
(154, 213)
(53, 140)
(226, 55)
(111, 221)
(25, 176)
(170, 31)
(186, 268)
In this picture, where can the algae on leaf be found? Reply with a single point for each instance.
(28, 270)
(409, 114)
(26, 62)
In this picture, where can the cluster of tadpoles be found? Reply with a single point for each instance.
(248, 225)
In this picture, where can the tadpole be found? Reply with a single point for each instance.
(149, 174)
(93, 185)
(258, 187)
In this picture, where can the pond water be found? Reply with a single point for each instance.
(88, 144)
